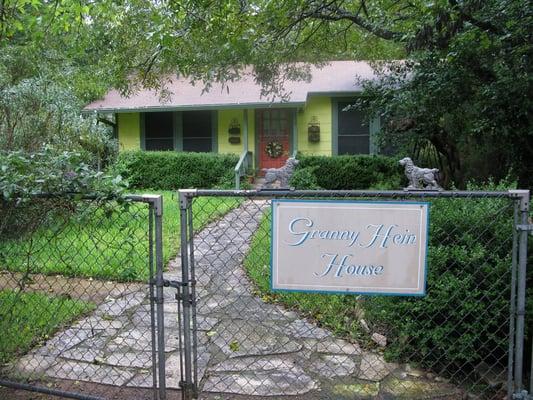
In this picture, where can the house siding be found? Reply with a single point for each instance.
(129, 131)
(224, 120)
(319, 107)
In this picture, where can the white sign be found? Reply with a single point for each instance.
(349, 246)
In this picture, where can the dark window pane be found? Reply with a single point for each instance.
(198, 144)
(197, 124)
(159, 144)
(351, 122)
(354, 132)
(275, 123)
(159, 131)
(354, 145)
(266, 123)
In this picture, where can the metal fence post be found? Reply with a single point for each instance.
(157, 202)
(523, 196)
(193, 300)
(151, 283)
(512, 307)
(187, 385)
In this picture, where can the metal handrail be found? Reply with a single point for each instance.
(240, 168)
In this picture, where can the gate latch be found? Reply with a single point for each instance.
(178, 285)
(174, 284)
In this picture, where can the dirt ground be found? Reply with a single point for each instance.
(105, 391)
(92, 290)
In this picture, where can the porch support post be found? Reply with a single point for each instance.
(245, 130)
(374, 127)
(294, 131)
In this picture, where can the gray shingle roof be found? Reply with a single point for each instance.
(336, 77)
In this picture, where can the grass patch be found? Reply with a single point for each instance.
(28, 318)
(335, 312)
(103, 242)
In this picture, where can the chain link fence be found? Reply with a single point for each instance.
(463, 340)
(88, 311)
(77, 310)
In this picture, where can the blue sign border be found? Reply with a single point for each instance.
(277, 201)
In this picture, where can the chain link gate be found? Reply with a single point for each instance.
(464, 339)
(81, 297)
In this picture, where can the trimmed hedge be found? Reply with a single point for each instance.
(168, 170)
(349, 172)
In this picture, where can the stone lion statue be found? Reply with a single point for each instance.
(283, 174)
(420, 176)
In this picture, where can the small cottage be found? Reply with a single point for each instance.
(236, 118)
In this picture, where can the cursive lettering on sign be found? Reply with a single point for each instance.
(374, 235)
(339, 267)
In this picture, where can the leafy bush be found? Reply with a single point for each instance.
(51, 171)
(305, 179)
(353, 172)
(36, 112)
(173, 170)
(463, 319)
(25, 177)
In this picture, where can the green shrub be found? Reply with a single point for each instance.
(25, 176)
(463, 319)
(354, 172)
(37, 112)
(168, 170)
(305, 179)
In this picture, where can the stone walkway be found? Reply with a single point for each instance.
(250, 347)
(245, 345)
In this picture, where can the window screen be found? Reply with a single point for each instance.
(158, 131)
(197, 132)
(353, 132)
(275, 123)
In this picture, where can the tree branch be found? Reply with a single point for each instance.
(466, 15)
(338, 14)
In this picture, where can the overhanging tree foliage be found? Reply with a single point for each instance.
(464, 89)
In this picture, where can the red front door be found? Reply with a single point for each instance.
(274, 130)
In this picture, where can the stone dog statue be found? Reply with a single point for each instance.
(417, 175)
(283, 174)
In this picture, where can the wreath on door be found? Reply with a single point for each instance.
(274, 149)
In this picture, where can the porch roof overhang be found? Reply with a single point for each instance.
(337, 78)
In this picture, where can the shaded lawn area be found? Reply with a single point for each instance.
(27, 318)
(335, 312)
(109, 242)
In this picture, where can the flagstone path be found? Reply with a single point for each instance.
(245, 345)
